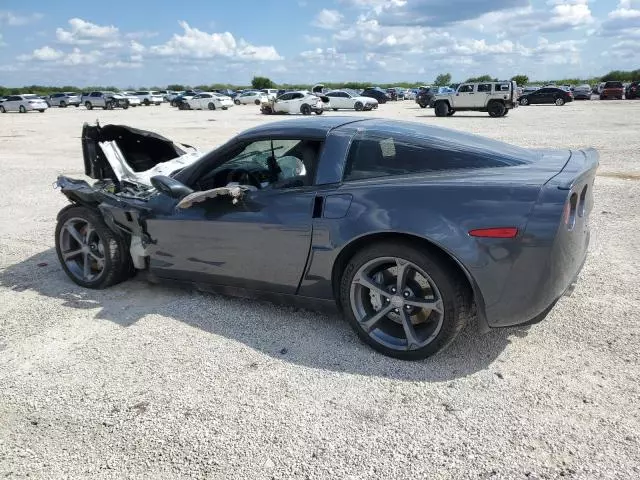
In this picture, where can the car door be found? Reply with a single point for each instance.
(259, 242)
(465, 96)
(12, 103)
(345, 100)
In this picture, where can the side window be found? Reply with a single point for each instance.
(285, 96)
(378, 154)
(270, 163)
(466, 89)
(95, 94)
(502, 87)
(297, 96)
(484, 87)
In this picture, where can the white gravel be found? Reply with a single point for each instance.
(144, 381)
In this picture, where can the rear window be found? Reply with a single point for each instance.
(378, 153)
(613, 85)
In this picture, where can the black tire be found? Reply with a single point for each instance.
(559, 102)
(41, 110)
(125, 105)
(146, 102)
(2, 110)
(423, 105)
(335, 109)
(451, 113)
(524, 101)
(257, 102)
(22, 109)
(211, 106)
(441, 109)
(267, 110)
(305, 109)
(88, 105)
(237, 102)
(454, 292)
(62, 104)
(319, 112)
(496, 109)
(117, 262)
(358, 106)
(108, 106)
(506, 112)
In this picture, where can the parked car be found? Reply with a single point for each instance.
(209, 101)
(547, 95)
(23, 103)
(392, 94)
(296, 102)
(107, 100)
(632, 91)
(376, 92)
(407, 270)
(149, 97)
(612, 90)
(582, 92)
(227, 92)
(131, 98)
(180, 99)
(496, 98)
(347, 100)
(425, 96)
(64, 99)
(246, 98)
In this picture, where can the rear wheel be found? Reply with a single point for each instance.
(358, 106)
(496, 109)
(559, 102)
(62, 104)
(90, 253)
(88, 105)
(2, 110)
(441, 109)
(402, 301)
(305, 109)
(22, 109)
(211, 106)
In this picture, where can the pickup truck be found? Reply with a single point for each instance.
(612, 90)
(106, 100)
(496, 98)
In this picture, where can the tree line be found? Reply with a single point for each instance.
(442, 79)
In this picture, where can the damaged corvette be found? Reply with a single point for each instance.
(409, 230)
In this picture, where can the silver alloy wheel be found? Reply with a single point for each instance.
(82, 249)
(397, 303)
(559, 102)
(524, 101)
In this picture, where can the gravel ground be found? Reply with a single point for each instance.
(146, 381)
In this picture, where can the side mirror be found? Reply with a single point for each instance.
(170, 186)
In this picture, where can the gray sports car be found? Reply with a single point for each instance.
(410, 230)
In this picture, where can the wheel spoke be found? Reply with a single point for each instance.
(86, 271)
(75, 234)
(87, 233)
(409, 331)
(368, 283)
(370, 323)
(401, 276)
(434, 304)
(71, 254)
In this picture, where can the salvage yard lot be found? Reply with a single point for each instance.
(148, 381)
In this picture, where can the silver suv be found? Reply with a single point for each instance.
(64, 99)
(496, 98)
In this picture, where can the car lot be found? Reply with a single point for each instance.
(147, 381)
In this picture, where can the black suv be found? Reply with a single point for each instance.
(377, 93)
(424, 97)
(632, 91)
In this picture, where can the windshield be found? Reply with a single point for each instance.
(30, 95)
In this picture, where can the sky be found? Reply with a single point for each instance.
(144, 43)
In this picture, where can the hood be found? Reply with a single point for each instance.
(124, 153)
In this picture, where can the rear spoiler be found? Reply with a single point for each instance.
(581, 165)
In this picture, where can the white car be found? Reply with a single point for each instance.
(23, 103)
(131, 97)
(247, 98)
(296, 102)
(210, 101)
(345, 99)
(271, 93)
(149, 97)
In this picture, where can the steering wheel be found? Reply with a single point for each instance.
(243, 176)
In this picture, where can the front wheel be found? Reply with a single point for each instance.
(441, 109)
(305, 109)
(88, 106)
(559, 102)
(2, 110)
(90, 253)
(402, 301)
(22, 109)
(358, 106)
(524, 102)
(257, 102)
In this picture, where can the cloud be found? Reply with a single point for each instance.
(84, 33)
(194, 43)
(14, 20)
(623, 22)
(328, 19)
